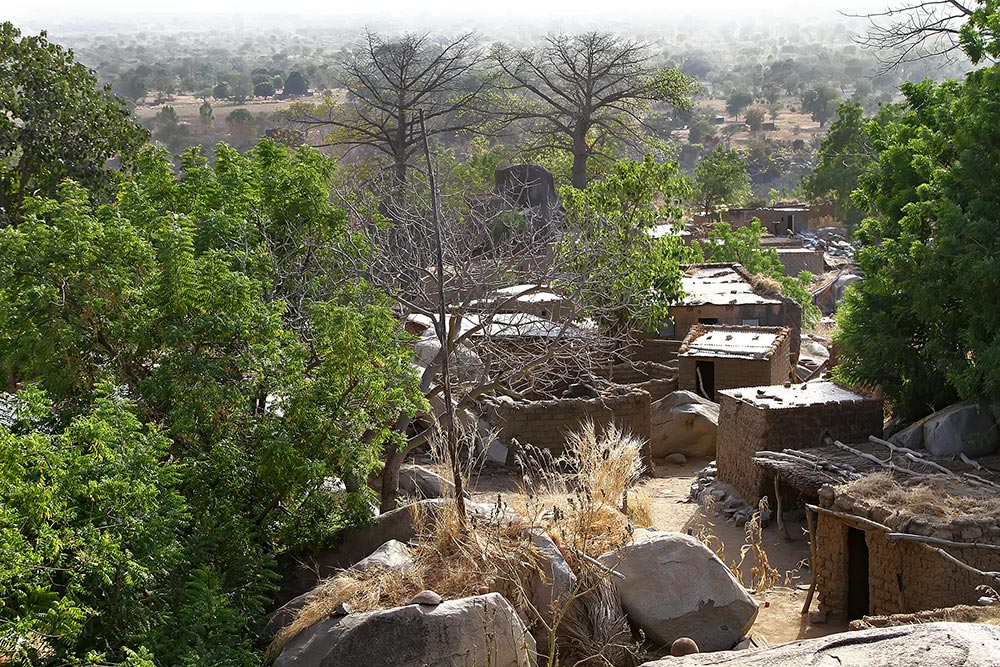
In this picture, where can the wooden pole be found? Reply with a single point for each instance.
(777, 503)
(812, 560)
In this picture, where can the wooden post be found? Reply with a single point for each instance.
(777, 503)
(812, 561)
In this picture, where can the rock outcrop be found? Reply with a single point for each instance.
(482, 630)
(674, 587)
(927, 645)
(683, 423)
(968, 428)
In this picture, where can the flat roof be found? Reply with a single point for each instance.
(733, 342)
(505, 325)
(720, 285)
(796, 395)
(798, 251)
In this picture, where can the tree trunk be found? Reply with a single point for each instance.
(581, 151)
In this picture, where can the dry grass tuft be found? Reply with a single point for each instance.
(576, 498)
(765, 283)
(762, 575)
(931, 497)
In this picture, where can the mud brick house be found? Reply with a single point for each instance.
(796, 416)
(714, 357)
(894, 530)
(726, 294)
(782, 219)
(535, 300)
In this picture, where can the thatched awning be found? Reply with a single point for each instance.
(808, 470)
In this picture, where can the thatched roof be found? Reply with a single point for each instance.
(808, 470)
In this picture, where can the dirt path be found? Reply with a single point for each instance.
(780, 618)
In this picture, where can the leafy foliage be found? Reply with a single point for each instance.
(55, 122)
(844, 153)
(721, 179)
(922, 324)
(629, 276)
(214, 299)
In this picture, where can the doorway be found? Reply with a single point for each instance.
(857, 574)
(704, 374)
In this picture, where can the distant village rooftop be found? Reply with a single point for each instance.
(733, 342)
(796, 395)
(721, 284)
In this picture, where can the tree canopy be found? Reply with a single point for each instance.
(55, 122)
(922, 324)
(583, 93)
(721, 179)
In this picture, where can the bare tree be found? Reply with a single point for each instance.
(581, 93)
(916, 31)
(496, 309)
(387, 80)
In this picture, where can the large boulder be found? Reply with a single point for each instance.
(393, 555)
(925, 645)
(674, 586)
(482, 630)
(419, 482)
(555, 581)
(528, 186)
(685, 423)
(968, 428)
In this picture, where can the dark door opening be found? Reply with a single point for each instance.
(704, 373)
(857, 574)
(708, 320)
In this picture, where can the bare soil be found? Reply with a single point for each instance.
(780, 618)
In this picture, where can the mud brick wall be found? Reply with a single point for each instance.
(656, 379)
(794, 263)
(737, 373)
(745, 429)
(544, 424)
(903, 577)
(785, 314)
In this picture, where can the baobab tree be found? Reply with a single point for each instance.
(387, 79)
(581, 93)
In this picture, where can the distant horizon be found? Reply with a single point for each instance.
(61, 12)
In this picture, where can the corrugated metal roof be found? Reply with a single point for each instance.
(719, 285)
(731, 342)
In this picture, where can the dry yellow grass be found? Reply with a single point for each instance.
(931, 498)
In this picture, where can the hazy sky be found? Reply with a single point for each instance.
(524, 9)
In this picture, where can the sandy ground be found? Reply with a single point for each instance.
(780, 618)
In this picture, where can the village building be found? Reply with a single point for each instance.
(893, 530)
(535, 300)
(716, 357)
(725, 294)
(783, 219)
(796, 416)
(796, 260)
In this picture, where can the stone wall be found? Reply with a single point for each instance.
(745, 429)
(544, 424)
(903, 577)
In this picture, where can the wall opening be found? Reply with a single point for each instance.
(708, 320)
(857, 574)
(704, 372)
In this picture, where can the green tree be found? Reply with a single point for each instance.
(55, 123)
(721, 179)
(296, 84)
(213, 298)
(821, 102)
(754, 118)
(263, 89)
(626, 276)
(206, 115)
(922, 324)
(844, 154)
(737, 101)
(584, 94)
